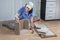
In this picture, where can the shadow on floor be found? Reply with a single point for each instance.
(5, 30)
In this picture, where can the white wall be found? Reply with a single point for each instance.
(8, 8)
(20, 3)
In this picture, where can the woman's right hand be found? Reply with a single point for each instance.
(16, 18)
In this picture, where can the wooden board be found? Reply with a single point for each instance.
(23, 24)
(44, 31)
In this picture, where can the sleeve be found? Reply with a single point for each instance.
(20, 11)
(32, 14)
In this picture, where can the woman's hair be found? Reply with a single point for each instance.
(30, 10)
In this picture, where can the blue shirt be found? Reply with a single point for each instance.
(23, 14)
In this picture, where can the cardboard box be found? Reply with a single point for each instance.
(23, 24)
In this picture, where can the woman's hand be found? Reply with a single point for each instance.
(31, 22)
(16, 17)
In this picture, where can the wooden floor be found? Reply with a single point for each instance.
(6, 34)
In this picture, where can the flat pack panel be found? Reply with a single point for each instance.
(44, 31)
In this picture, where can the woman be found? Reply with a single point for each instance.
(26, 12)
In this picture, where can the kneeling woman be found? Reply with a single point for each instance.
(26, 12)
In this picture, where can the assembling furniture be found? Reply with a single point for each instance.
(17, 27)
